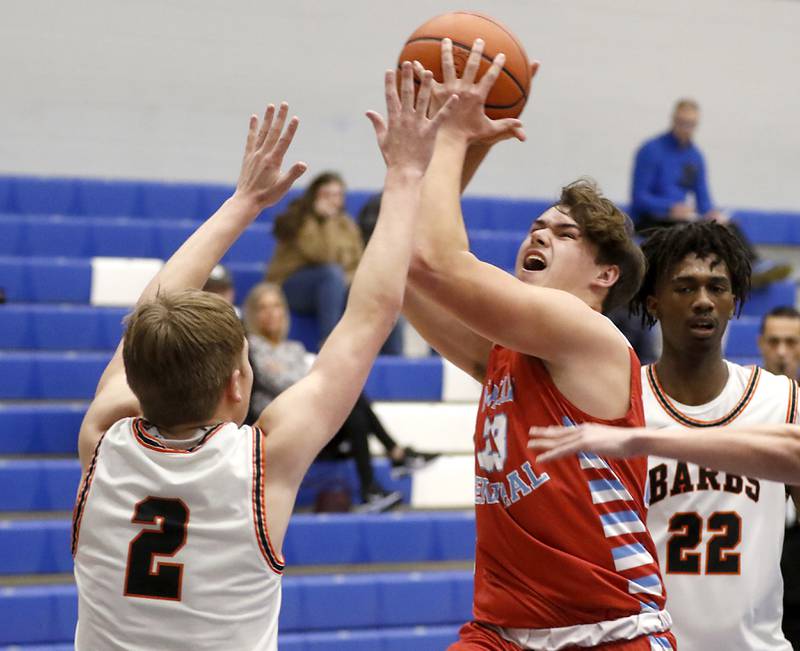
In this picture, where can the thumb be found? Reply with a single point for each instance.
(535, 68)
(286, 180)
(377, 123)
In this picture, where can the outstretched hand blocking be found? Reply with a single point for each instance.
(469, 117)
(407, 136)
(261, 180)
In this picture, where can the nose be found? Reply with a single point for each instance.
(538, 237)
(702, 301)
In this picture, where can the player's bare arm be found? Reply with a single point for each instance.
(770, 451)
(303, 419)
(261, 183)
(553, 325)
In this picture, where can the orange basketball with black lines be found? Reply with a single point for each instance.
(510, 92)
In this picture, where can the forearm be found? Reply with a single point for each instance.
(379, 282)
(441, 225)
(191, 264)
(766, 451)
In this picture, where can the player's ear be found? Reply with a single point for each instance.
(651, 304)
(607, 276)
(234, 388)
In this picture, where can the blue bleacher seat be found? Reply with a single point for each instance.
(56, 281)
(743, 337)
(38, 485)
(172, 201)
(107, 198)
(12, 235)
(35, 547)
(55, 236)
(773, 295)
(255, 245)
(16, 328)
(769, 227)
(455, 535)
(397, 536)
(34, 195)
(398, 378)
(40, 614)
(123, 237)
(496, 247)
(40, 428)
(5, 194)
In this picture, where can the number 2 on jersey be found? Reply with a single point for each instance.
(164, 580)
(720, 557)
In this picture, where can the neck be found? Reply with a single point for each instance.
(692, 377)
(180, 432)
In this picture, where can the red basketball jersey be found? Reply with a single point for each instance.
(563, 543)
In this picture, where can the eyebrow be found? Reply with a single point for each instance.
(693, 277)
(543, 223)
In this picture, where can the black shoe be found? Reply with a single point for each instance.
(412, 460)
(378, 500)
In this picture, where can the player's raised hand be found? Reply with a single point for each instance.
(261, 180)
(469, 117)
(407, 136)
(556, 442)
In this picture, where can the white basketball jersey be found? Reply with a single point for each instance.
(171, 547)
(719, 536)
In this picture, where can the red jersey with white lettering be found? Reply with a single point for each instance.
(562, 544)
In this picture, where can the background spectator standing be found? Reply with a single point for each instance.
(279, 362)
(670, 186)
(779, 343)
(318, 247)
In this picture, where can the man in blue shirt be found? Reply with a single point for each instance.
(670, 186)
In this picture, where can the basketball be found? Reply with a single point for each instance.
(510, 92)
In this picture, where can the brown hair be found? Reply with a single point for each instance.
(610, 230)
(251, 307)
(180, 350)
(686, 103)
(288, 223)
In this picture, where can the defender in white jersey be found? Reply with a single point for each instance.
(719, 534)
(181, 512)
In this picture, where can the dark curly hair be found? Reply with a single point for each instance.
(610, 230)
(666, 247)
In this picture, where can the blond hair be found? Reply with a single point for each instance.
(254, 296)
(180, 350)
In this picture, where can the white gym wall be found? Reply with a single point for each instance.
(162, 89)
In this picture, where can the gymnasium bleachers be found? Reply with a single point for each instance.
(57, 332)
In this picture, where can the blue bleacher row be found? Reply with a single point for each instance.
(43, 546)
(309, 603)
(88, 328)
(74, 376)
(51, 484)
(29, 195)
(84, 237)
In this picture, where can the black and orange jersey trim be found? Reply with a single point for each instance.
(274, 560)
(83, 494)
(668, 406)
(791, 410)
(139, 427)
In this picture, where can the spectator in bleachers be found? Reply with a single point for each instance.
(221, 282)
(279, 362)
(670, 187)
(318, 247)
(779, 343)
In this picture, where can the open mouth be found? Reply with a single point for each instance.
(534, 262)
(702, 326)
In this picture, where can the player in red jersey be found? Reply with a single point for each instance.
(563, 559)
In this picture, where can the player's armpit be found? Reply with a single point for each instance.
(453, 340)
(114, 400)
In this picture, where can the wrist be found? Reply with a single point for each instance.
(242, 204)
(404, 175)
